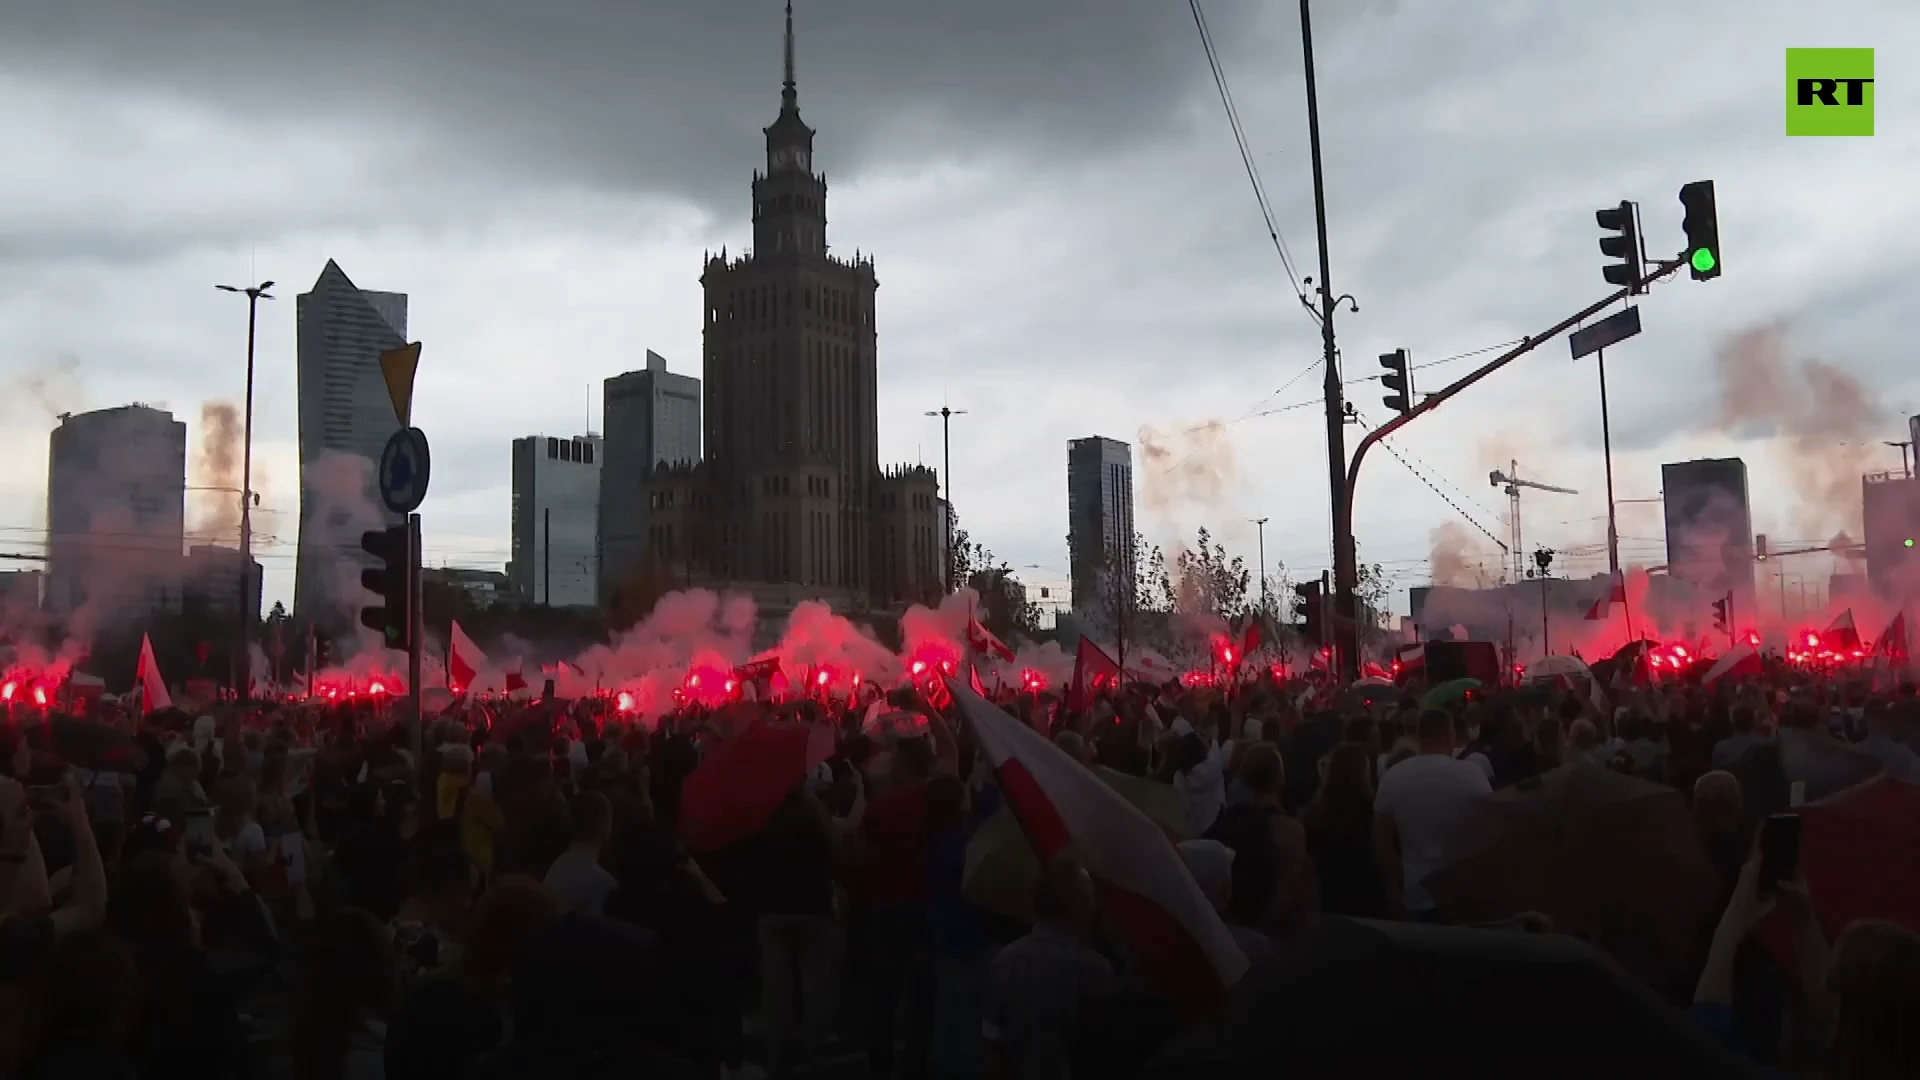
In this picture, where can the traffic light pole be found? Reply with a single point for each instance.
(416, 706)
(1345, 570)
(1346, 631)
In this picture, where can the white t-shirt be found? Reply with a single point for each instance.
(1205, 786)
(249, 844)
(1426, 796)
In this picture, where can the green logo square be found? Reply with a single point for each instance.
(1830, 91)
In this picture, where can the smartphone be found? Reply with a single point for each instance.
(1779, 850)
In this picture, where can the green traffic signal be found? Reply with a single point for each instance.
(1703, 261)
(1908, 541)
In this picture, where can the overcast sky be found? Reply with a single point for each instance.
(1066, 241)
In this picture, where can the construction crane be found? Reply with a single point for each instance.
(1513, 483)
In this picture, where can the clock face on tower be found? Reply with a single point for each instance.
(790, 155)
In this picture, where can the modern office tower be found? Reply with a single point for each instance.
(116, 515)
(1099, 520)
(556, 515)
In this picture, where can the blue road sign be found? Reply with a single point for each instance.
(404, 467)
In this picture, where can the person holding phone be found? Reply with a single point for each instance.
(27, 929)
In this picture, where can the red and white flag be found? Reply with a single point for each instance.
(1893, 640)
(982, 640)
(153, 688)
(1740, 662)
(465, 661)
(1091, 666)
(1616, 594)
(1146, 890)
(1842, 634)
(516, 681)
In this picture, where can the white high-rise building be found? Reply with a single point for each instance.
(556, 517)
(651, 417)
(346, 418)
(116, 514)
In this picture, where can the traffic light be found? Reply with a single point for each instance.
(1306, 610)
(1623, 245)
(1399, 379)
(1723, 614)
(1702, 226)
(390, 582)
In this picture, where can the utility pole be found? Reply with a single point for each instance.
(1346, 658)
(946, 416)
(243, 660)
(1260, 526)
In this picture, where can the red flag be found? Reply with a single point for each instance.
(464, 660)
(973, 679)
(1250, 642)
(1616, 594)
(1146, 889)
(1893, 640)
(983, 640)
(515, 681)
(1091, 665)
(153, 688)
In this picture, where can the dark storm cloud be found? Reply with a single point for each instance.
(650, 96)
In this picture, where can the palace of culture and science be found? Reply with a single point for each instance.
(790, 501)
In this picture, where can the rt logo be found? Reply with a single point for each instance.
(1829, 91)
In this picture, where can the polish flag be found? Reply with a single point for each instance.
(516, 681)
(1616, 594)
(1737, 663)
(1091, 665)
(1893, 640)
(1147, 892)
(1842, 634)
(983, 640)
(464, 660)
(153, 688)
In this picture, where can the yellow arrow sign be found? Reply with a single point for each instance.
(398, 366)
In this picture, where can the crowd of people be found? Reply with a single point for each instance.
(287, 891)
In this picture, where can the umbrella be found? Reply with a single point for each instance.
(1856, 851)
(1365, 998)
(1002, 868)
(1365, 694)
(1448, 693)
(1552, 667)
(1603, 854)
(735, 791)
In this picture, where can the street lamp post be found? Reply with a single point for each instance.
(1260, 528)
(243, 659)
(946, 416)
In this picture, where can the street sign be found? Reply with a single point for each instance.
(1611, 330)
(397, 366)
(404, 467)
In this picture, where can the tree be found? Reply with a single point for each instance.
(1204, 581)
(1007, 613)
(1370, 598)
(1127, 601)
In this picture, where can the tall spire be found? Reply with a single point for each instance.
(789, 94)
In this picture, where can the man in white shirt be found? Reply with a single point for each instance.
(1418, 809)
